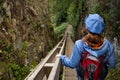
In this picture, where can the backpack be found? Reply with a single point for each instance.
(92, 67)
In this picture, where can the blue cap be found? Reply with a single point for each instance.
(95, 23)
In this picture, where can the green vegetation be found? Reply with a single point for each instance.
(29, 37)
(60, 30)
(114, 74)
(19, 72)
(65, 11)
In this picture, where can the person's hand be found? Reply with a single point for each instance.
(58, 55)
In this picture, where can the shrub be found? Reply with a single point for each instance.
(60, 30)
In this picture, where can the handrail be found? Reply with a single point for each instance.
(56, 69)
(49, 68)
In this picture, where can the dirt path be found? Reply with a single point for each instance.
(69, 74)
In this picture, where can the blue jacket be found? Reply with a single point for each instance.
(80, 47)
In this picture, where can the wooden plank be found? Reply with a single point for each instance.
(49, 65)
(68, 73)
(59, 47)
(40, 75)
(47, 71)
(54, 75)
(38, 71)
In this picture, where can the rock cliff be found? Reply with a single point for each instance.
(25, 34)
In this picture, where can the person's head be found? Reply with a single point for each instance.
(95, 26)
(95, 23)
